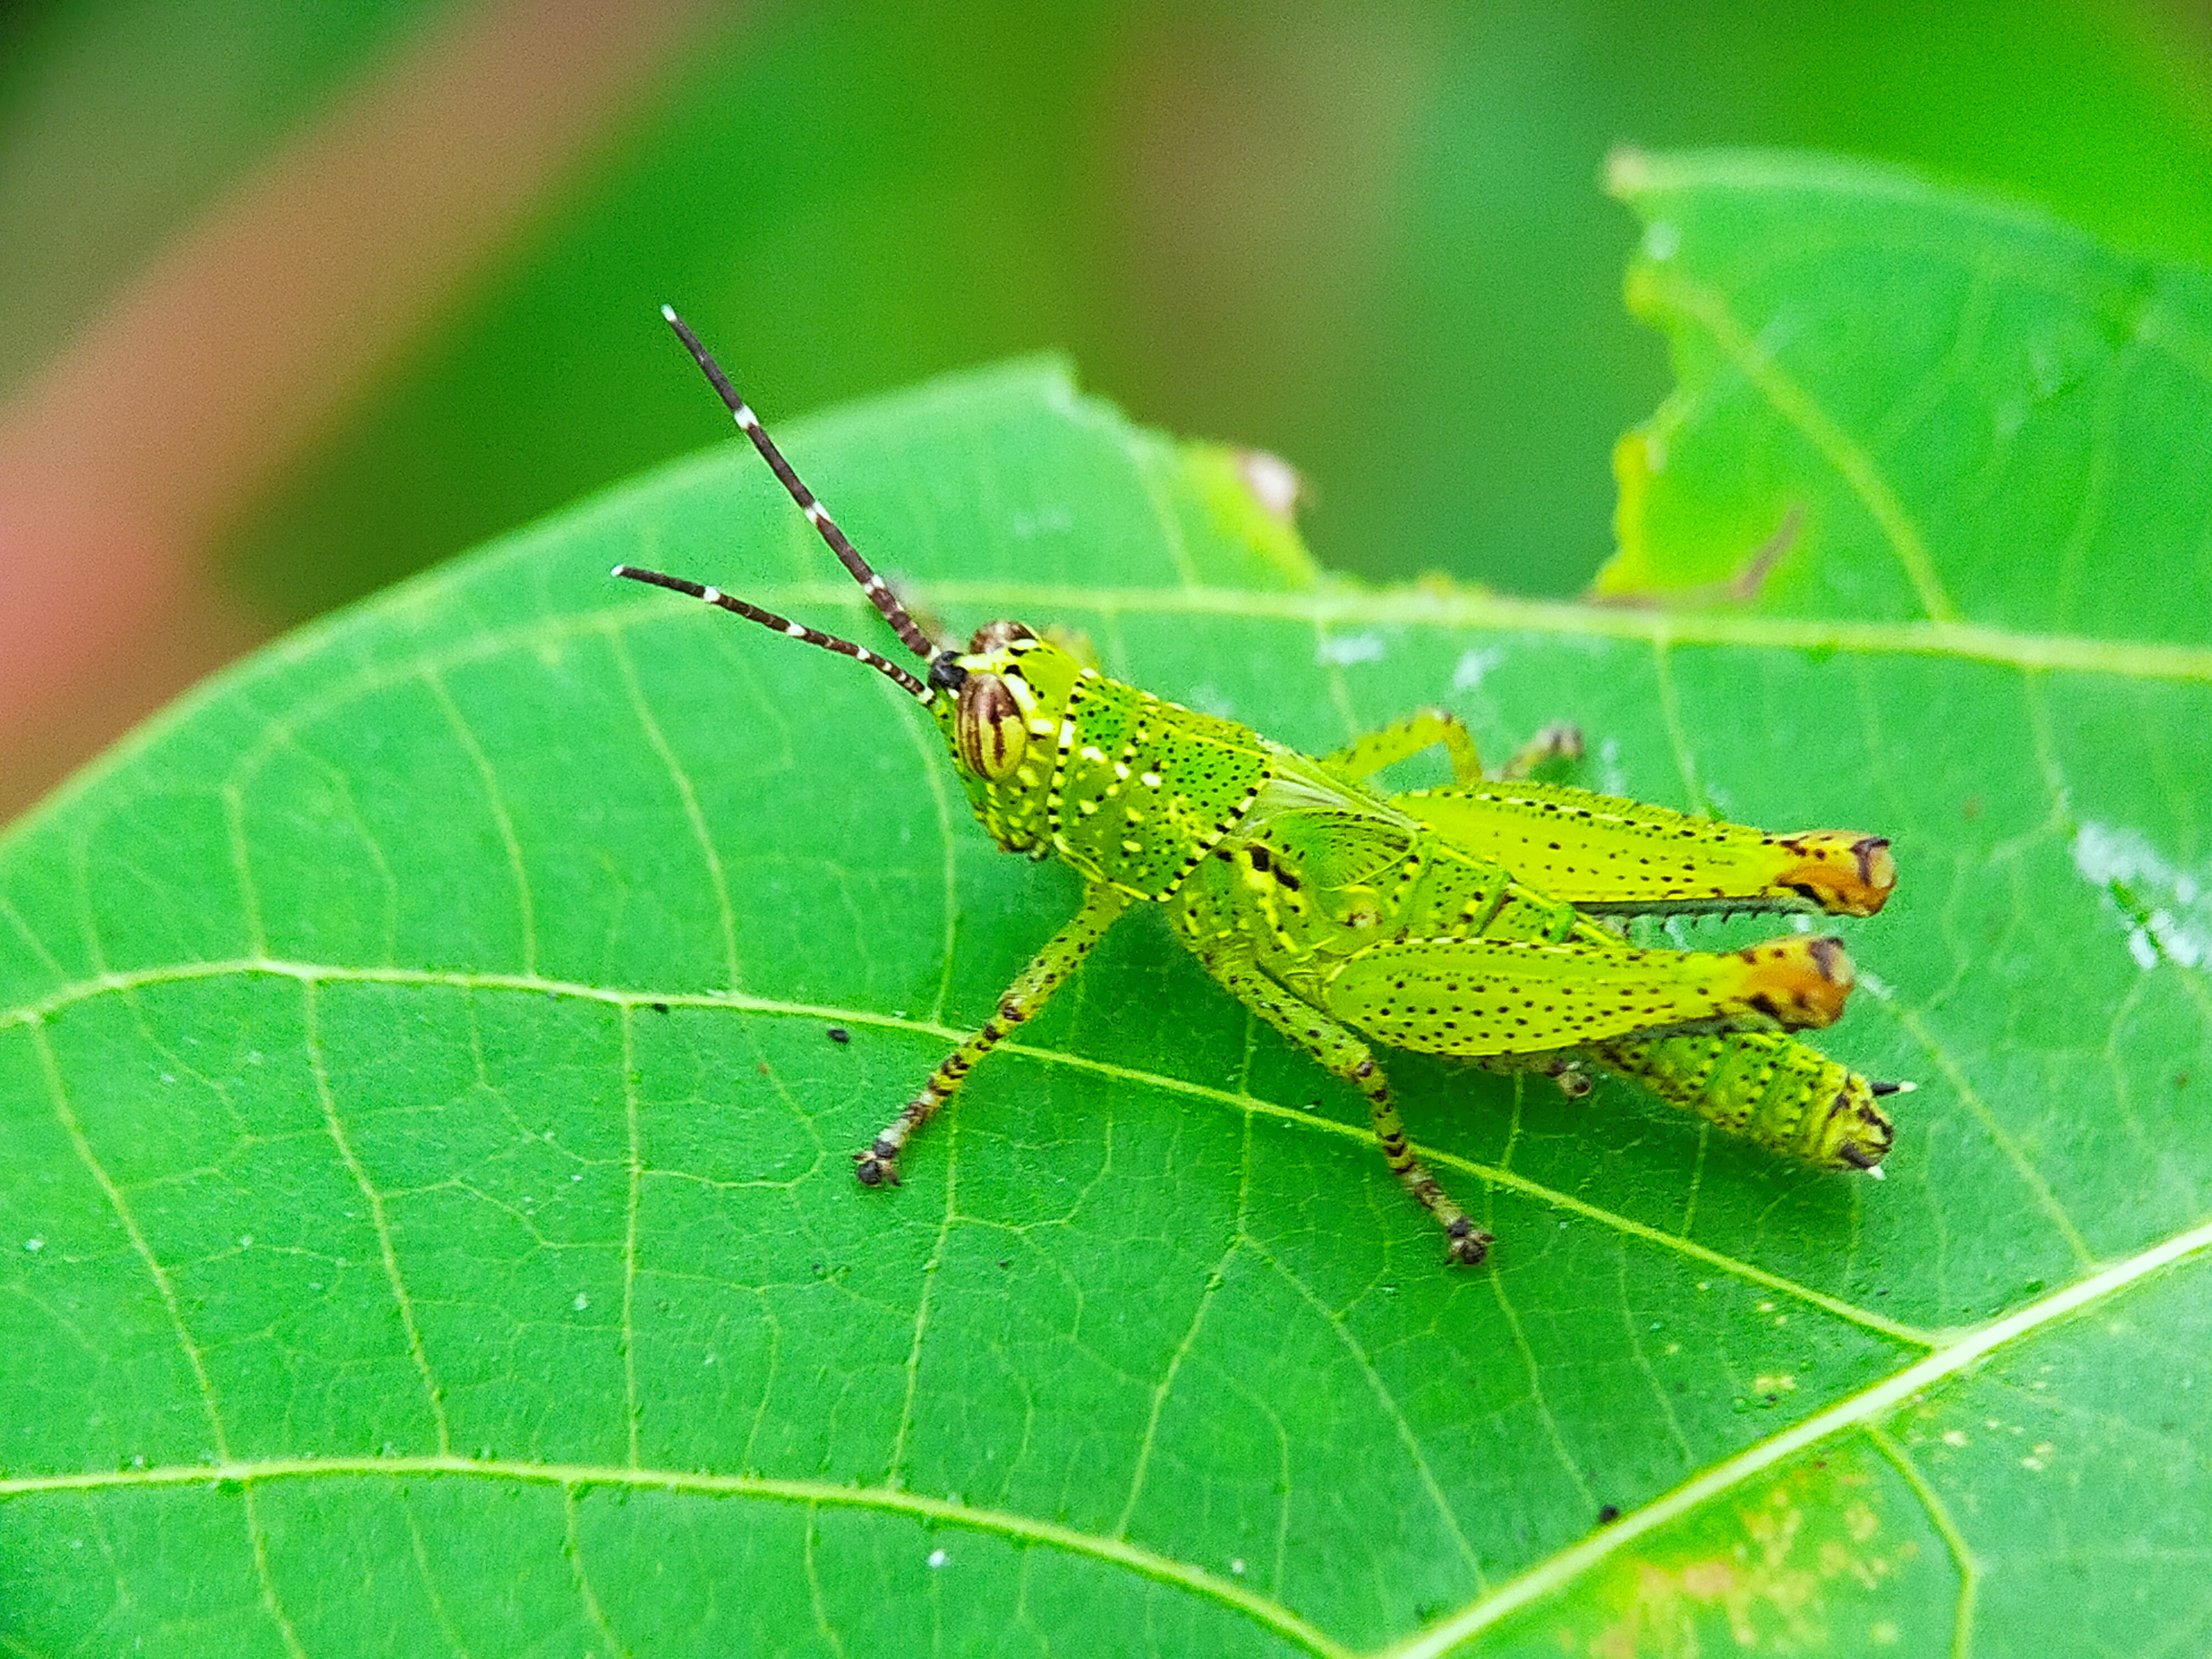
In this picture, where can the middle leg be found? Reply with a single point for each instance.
(1403, 740)
(1345, 1056)
(1440, 727)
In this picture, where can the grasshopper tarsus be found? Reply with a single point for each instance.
(877, 1164)
(1481, 919)
(1562, 740)
(1468, 1243)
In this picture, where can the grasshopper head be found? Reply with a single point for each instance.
(1000, 705)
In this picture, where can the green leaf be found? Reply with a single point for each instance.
(428, 1222)
(1977, 415)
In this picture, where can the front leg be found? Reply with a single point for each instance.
(1062, 955)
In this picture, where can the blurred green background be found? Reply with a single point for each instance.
(1372, 238)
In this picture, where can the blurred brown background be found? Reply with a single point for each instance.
(297, 299)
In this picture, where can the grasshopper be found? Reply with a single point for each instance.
(1467, 921)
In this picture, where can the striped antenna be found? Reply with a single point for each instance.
(879, 592)
(906, 681)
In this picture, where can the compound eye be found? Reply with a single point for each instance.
(989, 727)
(996, 635)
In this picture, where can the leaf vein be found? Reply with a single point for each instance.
(496, 801)
(1028, 1529)
(1946, 1528)
(335, 1127)
(1388, 1403)
(573, 1548)
(257, 1536)
(933, 775)
(2031, 1177)
(1670, 713)
(929, 1271)
(1797, 406)
(632, 1407)
(30, 938)
(1166, 1385)
(689, 796)
(1544, 1411)
(1853, 1411)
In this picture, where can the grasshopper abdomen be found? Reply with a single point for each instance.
(1774, 1092)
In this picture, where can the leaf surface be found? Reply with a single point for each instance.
(429, 1223)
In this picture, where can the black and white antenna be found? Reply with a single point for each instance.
(879, 592)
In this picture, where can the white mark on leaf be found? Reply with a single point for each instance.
(2167, 911)
(1273, 481)
(1342, 650)
(1610, 778)
(1473, 664)
(1211, 699)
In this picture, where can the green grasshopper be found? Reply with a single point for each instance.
(1463, 920)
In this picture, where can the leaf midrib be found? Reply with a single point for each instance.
(1426, 607)
(1042, 603)
(1386, 607)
